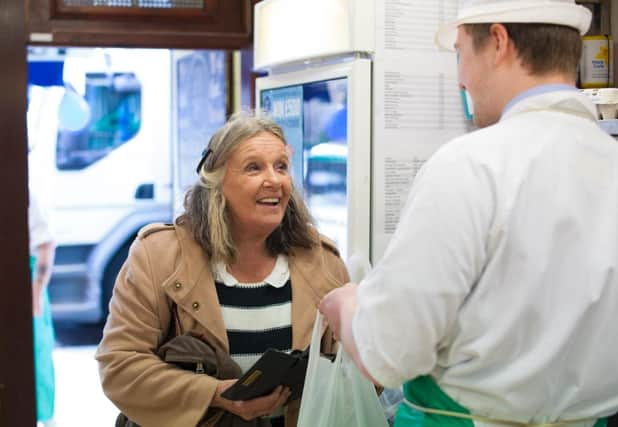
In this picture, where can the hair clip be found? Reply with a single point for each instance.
(205, 154)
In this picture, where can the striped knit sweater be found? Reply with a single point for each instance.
(257, 316)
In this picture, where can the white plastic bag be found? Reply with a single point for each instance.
(358, 267)
(335, 393)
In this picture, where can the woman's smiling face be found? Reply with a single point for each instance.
(257, 186)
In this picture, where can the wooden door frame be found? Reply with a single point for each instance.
(17, 390)
(17, 401)
(219, 24)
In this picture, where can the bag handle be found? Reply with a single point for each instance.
(316, 337)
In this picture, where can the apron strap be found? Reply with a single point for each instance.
(488, 420)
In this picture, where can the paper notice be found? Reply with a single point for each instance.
(398, 177)
(421, 101)
(411, 25)
(417, 104)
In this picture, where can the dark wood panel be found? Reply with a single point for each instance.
(247, 80)
(210, 9)
(125, 38)
(16, 354)
(227, 26)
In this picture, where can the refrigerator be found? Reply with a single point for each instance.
(364, 98)
(332, 174)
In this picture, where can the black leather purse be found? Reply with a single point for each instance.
(274, 368)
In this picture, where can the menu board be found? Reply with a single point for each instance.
(417, 104)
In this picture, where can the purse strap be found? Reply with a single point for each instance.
(175, 327)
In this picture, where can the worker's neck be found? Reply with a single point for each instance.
(520, 83)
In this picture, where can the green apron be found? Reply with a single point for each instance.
(43, 331)
(423, 391)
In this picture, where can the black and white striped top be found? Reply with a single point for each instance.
(257, 316)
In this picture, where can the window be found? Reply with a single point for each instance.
(113, 110)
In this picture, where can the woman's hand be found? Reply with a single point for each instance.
(250, 409)
(338, 307)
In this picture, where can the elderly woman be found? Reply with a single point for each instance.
(242, 268)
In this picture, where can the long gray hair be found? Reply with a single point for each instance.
(205, 206)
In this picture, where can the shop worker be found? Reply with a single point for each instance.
(497, 299)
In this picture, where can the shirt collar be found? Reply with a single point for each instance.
(277, 278)
(537, 90)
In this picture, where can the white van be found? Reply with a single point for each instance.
(100, 153)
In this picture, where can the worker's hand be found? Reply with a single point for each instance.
(37, 304)
(332, 305)
(251, 409)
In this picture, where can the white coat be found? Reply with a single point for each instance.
(501, 278)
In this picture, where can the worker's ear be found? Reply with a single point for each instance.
(504, 49)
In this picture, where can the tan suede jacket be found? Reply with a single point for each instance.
(166, 265)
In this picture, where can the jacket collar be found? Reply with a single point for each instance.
(565, 101)
(192, 288)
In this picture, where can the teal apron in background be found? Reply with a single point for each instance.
(423, 391)
(44, 340)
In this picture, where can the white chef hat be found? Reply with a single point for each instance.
(559, 12)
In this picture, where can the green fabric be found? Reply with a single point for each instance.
(43, 331)
(424, 391)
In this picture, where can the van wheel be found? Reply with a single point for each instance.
(109, 276)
